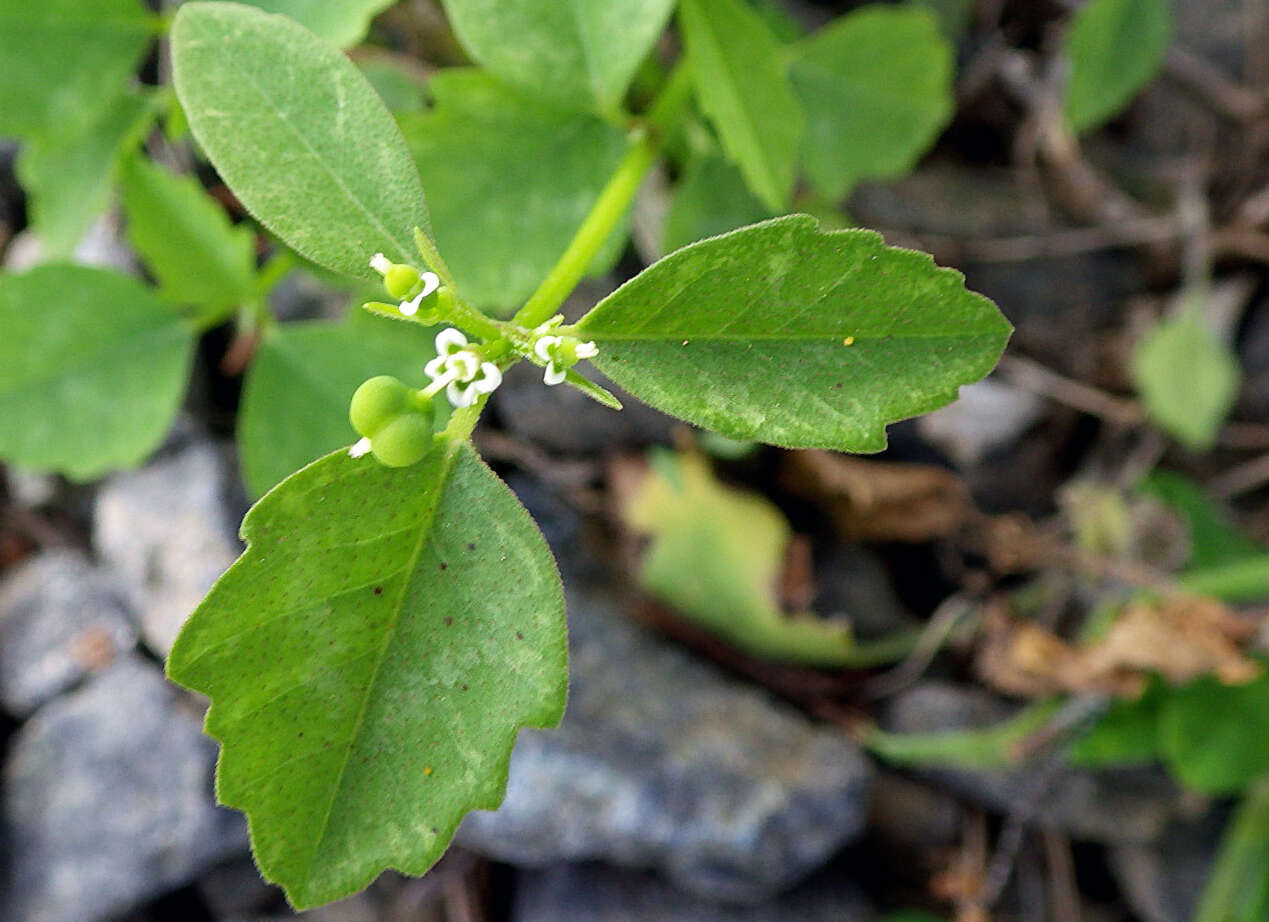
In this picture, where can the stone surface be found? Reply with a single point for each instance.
(663, 762)
(594, 893)
(1163, 881)
(61, 619)
(168, 531)
(108, 790)
(988, 415)
(1110, 805)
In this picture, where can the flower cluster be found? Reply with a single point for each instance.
(460, 370)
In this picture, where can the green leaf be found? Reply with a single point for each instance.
(92, 369)
(573, 52)
(395, 80)
(343, 23)
(1115, 47)
(62, 56)
(70, 172)
(299, 135)
(976, 749)
(295, 398)
(187, 241)
(1127, 734)
(711, 199)
(1187, 378)
(786, 335)
(716, 554)
(876, 85)
(739, 71)
(509, 181)
(1237, 888)
(370, 659)
(1213, 735)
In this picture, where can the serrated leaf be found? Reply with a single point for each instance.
(1213, 735)
(573, 52)
(296, 395)
(70, 170)
(711, 199)
(185, 238)
(1188, 380)
(92, 369)
(343, 23)
(716, 554)
(509, 181)
(739, 71)
(876, 85)
(62, 56)
(783, 334)
(298, 134)
(370, 659)
(1115, 47)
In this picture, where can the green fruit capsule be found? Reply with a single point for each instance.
(402, 282)
(403, 441)
(377, 403)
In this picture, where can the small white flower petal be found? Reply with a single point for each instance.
(450, 340)
(360, 449)
(380, 263)
(435, 368)
(410, 308)
(460, 395)
(489, 380)
(554, 374)
(431, 281)
(544, 345)
(587, 350)
(464, 364)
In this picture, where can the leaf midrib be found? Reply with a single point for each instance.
(425, 528)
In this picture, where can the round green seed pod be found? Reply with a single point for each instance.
(376, 403)
(403, 441)
(402, 282)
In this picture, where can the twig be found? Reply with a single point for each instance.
(1222, 94)
(1063, 886)
(1243, 478)
(1033, 376)
(946, 617)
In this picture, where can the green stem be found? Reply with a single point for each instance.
(461, 314)
(604, 215)
(672, 99)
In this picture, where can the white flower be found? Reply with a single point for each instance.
(380, 263)
(558, 361)
(360, 450)
(460, 371)
(431, 281)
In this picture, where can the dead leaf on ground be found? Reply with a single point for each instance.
(1181, 639)
(879, 500)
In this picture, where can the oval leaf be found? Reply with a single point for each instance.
(738, 68)
(92, 369)
(370, 659)
(1115, 48)
(299, 135)
(877, 88)
(295, 399)
(574, 52)
(510, 180)
(343, 23)
(780, 333)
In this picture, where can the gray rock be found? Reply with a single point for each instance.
(1118, 805)
(568, 893)
(61, 619)
(1164, 880)
(108, 790)
(663, 762)
(167, 531)
(987, 415)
